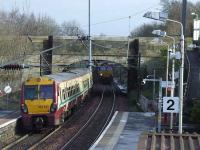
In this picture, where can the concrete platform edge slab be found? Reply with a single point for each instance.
(110, 134)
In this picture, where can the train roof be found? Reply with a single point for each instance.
(71, 74)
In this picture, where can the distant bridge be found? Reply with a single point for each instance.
(98, 38)
(73, 58)
(95, 38)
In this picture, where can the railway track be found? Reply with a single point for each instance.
(78, 132)
(29, 140)
(93, 128)
(85, 120)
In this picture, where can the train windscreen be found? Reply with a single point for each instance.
(46, 92)
(30, 92)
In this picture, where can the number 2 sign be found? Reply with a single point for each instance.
(171, 104)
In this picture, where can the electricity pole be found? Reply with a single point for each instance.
(90, 42)
(184, 15)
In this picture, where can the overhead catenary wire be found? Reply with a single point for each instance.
(122, 18)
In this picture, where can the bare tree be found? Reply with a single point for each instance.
(71, 28)
(146, 30)
(173, 8)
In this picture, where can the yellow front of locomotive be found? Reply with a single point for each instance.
(105, 74)
(37, 101)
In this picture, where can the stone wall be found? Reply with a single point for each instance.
(8, 130)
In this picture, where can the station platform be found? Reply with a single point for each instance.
(7, 117)
(124, 130)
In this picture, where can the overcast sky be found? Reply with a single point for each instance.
(114, 12)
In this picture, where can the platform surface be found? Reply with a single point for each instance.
(124, 131)
(8, 116)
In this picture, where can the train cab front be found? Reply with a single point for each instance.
(38, 103)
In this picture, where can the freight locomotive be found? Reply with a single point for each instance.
(47, 100)
(105, 74)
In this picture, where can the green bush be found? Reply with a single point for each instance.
(133, 102)
(194, 116)
(133, 97)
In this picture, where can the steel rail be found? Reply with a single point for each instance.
(15, 142)
(85, 125)
(41, 140)
(49, 135)
(46, 137)
(108, 119)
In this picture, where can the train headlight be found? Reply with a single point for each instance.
(24, 108)
(53, 108)
(101, 74)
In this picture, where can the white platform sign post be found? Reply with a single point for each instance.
(7, 90)
(167, 84)
(196, 30)
(171, 104)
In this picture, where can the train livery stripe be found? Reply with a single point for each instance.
(71, 98)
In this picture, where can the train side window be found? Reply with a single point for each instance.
(71, 92)
(77, 89)
(58, 91)
(63, 94)
(85, 83)
(66, 92)
(60, 94)
(68, 89)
